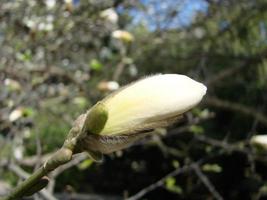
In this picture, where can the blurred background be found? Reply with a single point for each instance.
(58, 58)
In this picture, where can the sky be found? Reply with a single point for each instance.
(158, 10)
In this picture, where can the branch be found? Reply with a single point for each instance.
(224, 74)
(207, 183)
(161, 181)
(24, 175)
(214, 101)
(82, 196)
(31, 161)
(32, 183)
(76, 160)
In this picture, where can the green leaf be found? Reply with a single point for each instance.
(85, 164)
(215, 168)
(28, 112)
(95, 65)
(196, 129)
(26, 56)
(175, 164)
(171, 186)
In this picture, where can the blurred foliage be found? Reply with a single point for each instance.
(57, 58)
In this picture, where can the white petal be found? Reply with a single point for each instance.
(110, 14)
(154, 98)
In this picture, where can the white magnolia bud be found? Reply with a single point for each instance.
(108, 86)
(50, 3)
(110, 15)
(260, 140)
(153, 102)
(122, 35)
(15, 114)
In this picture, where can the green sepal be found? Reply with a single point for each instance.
(96, 119)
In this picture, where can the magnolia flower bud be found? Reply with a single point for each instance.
(153, 102)
(122, 35)
(110, 15)
(129, 113)
(259, 141)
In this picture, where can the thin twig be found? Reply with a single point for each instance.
(214, 101)
(207, 183)
(161, 181)
(76, 160)
(31, 161)
(38, 150)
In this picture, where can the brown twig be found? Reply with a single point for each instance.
(204, 179)
(161, 182)
(76, 160)
(214, 101)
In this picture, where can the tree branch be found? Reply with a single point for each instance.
(161, 181)
(207, 183)
(214, 101)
